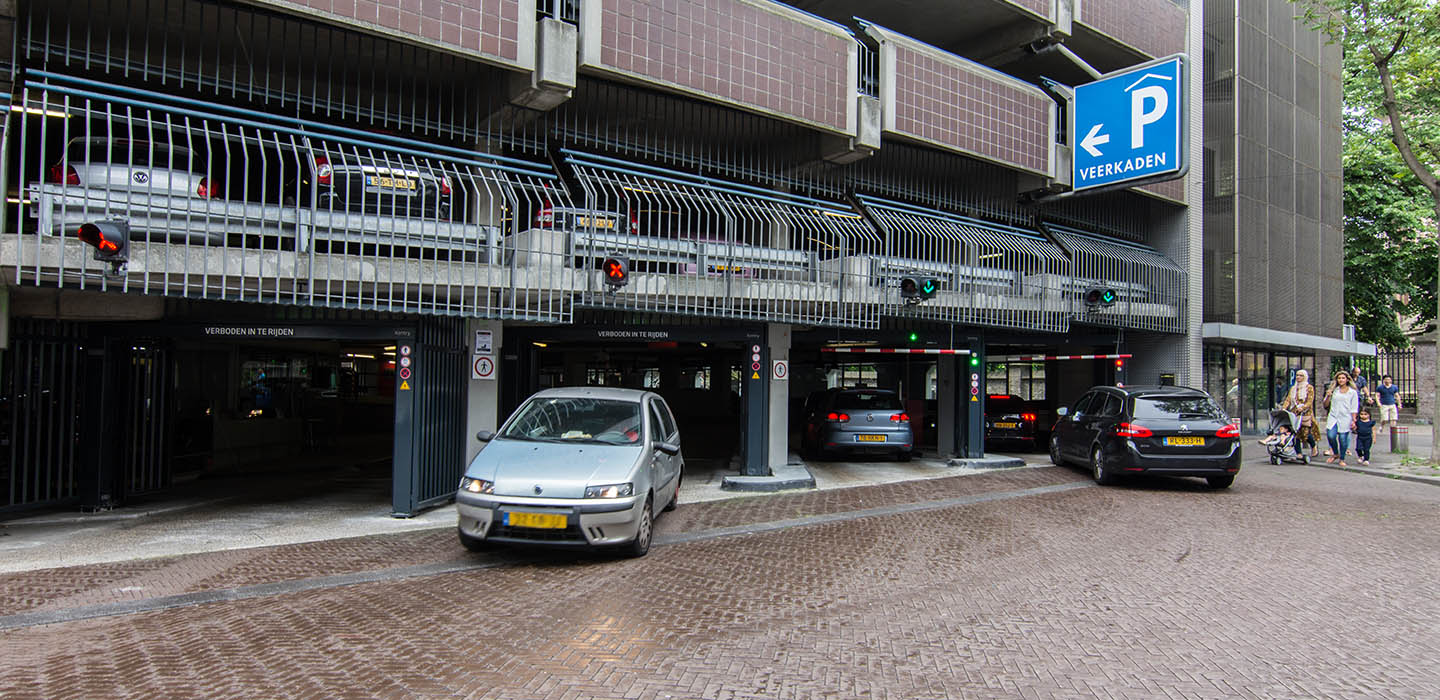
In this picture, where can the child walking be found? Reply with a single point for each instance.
(1364, 435)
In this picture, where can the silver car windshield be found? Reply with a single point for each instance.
(575, 419)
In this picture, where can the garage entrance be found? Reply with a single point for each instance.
(704, 374)
(364, 409)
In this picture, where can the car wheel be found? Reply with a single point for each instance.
(1055, 457)
(1097, 468)
(475, 544)
(675, 498)
(1220, 482)
(641, 544)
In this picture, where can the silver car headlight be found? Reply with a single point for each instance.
(476, 485)
(610, 490)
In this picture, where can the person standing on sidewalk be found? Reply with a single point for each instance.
(1300, 400)
(1364, 436)
(1343, 403)
(1389, 393)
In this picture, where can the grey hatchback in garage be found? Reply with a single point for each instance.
(857, 421)
(582, 467)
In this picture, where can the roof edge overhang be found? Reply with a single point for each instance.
(1287, 339)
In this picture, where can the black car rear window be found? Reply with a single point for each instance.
(863, 400)
(1176, 407)
(1007, 404)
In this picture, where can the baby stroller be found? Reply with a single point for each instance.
(1282, 444)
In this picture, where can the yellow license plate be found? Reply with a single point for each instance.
(870, 438)
(394, 183)
(587, 222)
(1185, 441)
(1007, 425)
(540, 520)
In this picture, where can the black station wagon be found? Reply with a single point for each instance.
(1169, 430)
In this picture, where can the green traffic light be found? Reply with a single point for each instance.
(914, 336)
(974, 361)
(1108, 296)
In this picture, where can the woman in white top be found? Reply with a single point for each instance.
(1344, 402)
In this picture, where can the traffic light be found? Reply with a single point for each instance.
(914, 337)
(928, 288)
(974, 361)
(1100, 296)
(110, 239)
(909, 290)
(617, 271)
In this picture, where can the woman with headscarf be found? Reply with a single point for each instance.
(1300, 400)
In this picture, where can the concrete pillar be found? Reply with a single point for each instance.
(947, 420)
(778, 453)
(482, 403)
(974, 400)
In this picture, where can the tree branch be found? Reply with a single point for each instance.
(1392, 110)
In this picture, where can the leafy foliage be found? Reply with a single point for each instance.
(1391, 155)
(1390, 256)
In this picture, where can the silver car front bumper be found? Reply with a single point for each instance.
(588, 522)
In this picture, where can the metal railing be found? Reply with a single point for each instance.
(706, 247)
(228, 203)
(1151, 287)
(988, 274)
(563, 10)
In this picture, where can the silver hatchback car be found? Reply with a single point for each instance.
(583, 466)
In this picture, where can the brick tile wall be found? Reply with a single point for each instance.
(1170, 189)
(1039, 7)
(483, 27)
(948, 103)
(1156, 27)
(733, 50)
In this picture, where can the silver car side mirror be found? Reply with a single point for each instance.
(668, 448)
(484, 436)
(1062, 411)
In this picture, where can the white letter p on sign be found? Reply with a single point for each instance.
(1139, 116)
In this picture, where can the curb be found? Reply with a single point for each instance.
(1433, 481)
(986, 462)
(788, 477)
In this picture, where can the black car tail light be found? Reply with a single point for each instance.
(322, 170)
(1133, 430)
(63, 176)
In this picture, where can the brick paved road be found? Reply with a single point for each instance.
(1296, 582)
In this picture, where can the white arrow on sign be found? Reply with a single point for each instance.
(1093, 139)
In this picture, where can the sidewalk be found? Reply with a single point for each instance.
(1411, 466)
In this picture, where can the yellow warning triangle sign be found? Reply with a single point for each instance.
(974, 398)
(404, 385)
(755, 375)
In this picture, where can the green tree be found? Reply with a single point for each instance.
(1392, 86)
(1389, 253)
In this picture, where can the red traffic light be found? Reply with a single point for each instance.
(1119, 364)
(110, 239)
(616, 271)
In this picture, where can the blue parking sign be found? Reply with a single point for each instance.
(1130, 125)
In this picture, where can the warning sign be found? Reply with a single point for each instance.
(483, 367)
(974, 398)
(404, 385)
(755, 375)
